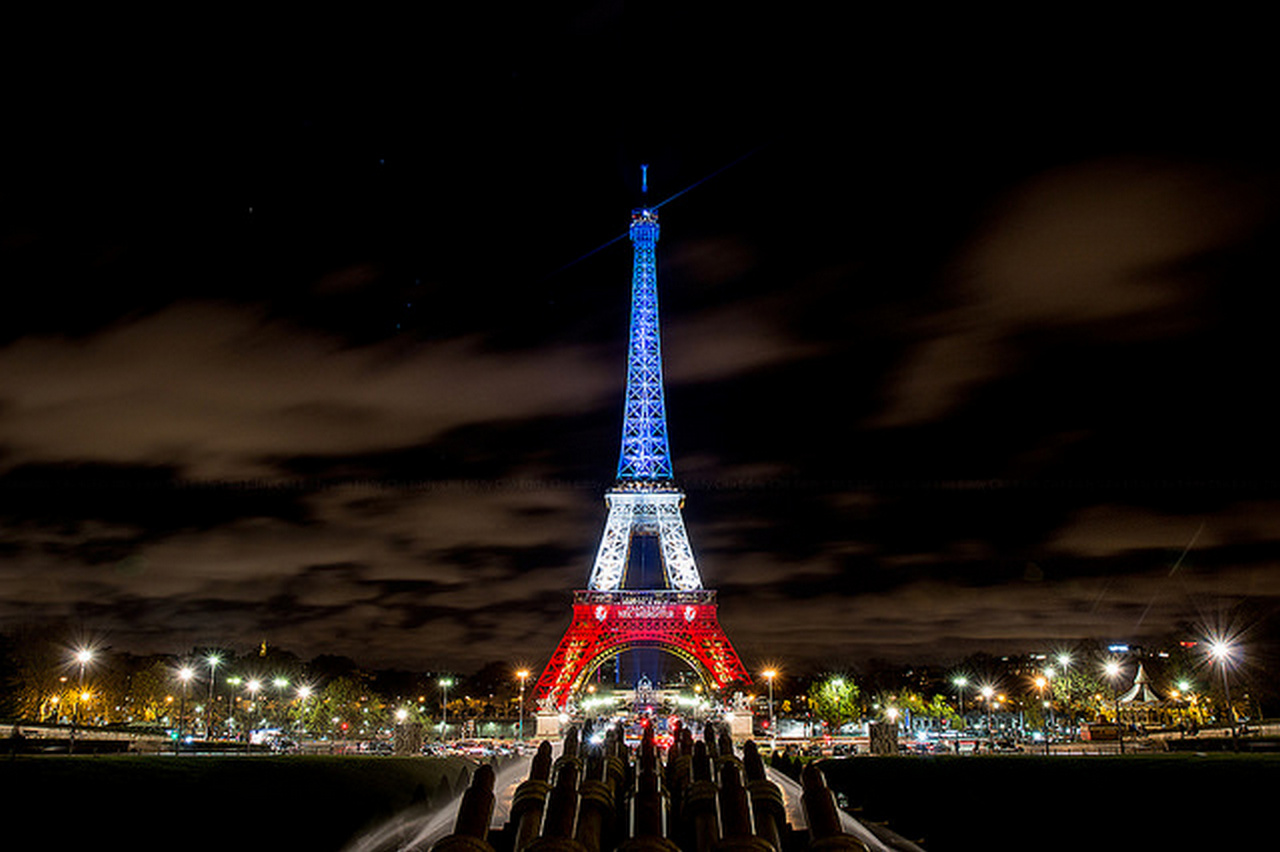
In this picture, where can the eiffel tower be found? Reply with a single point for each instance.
(622, 607)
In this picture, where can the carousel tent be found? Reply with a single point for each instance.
(1140, 693)
(1141, 706)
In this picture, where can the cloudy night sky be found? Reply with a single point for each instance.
(966, 348)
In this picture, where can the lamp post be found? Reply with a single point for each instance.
(252, 687)
(1221, 650)
(233, 686)
(445, 683)
(769, 675)
(281, 684)
(1041, 682)
(1113, 670)
(960, 683)
(1049, 674)
(987, 694)
(184, 675)
(84, 656)
(1186, 699)
(213, 661)
(523, 675)
(304, 692)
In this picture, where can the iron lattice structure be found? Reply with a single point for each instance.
(680, 616)
(646, 456)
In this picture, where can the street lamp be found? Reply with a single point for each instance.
(769, 675)
(988, 692)
(1041, 682)
(233, 686)
(83, 657)
(960, 682)
(280, 683)
(1221, 650)
(1113, 671)
(523, 674)
(304, 692)
(185, 674)
(213, 661)
(445, 683)
(252, 688)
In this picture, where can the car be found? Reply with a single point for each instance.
(1005, 745)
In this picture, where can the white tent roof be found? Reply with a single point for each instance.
(1140, 693)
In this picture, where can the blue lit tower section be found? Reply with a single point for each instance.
(645, 455)
(644, 500)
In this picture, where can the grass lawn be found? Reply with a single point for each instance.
(1182, 801)
(231, 804)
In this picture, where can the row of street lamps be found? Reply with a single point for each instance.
(1222, 652)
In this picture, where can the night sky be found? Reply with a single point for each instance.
(968, 337)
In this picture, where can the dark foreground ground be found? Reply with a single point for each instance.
(1176, 801)
(238, 804)
(230, 804)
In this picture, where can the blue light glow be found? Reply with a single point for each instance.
(645, 454)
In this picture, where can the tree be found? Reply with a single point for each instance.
(1075, 688)
(836, 700)
(338, 708)
(9, 678)
(151, 690)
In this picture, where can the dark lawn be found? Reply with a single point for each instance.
(1133, 802)
(230, 804)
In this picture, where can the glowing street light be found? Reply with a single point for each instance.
(212, 661)
(83, 657)
(445, 683)
(960, 682)
(523, 675)
(988, 692)
(1041, 682)
(233, 686)
(281, 684)
(303, 692)
(769, 675)
(1113, 670)
(185, 674)
(1222, 651)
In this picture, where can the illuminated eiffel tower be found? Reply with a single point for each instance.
(610, 617)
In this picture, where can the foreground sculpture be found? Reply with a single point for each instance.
(702, 799)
